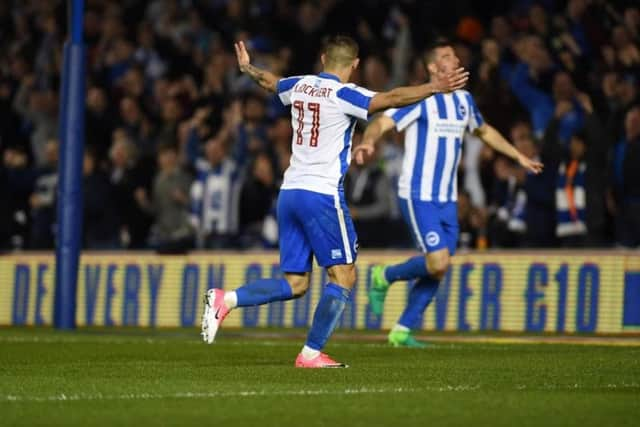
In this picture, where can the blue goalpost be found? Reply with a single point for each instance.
(71, 135)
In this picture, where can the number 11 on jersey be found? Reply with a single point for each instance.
(314, 107)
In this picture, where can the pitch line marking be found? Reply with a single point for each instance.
(63, 397)
(248, 393)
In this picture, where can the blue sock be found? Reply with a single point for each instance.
(328, 312)
(412, 268)
(262, 291)
(421, 294)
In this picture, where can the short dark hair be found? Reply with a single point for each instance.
(430, 51)
(339, 50)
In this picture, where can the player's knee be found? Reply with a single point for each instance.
(343, 275)
(438, 267)
(439, 271)
(299, 284)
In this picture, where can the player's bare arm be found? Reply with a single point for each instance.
(407, 95)
(490, 136)
(378, 127)
(399, 97)
(264, 78)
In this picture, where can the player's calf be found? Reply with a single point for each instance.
(219, 303)
(335, 295)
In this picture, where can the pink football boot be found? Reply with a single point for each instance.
(320, 361)
(215, 310)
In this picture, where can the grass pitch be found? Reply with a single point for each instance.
(170, 378)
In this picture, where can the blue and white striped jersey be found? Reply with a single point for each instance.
(323, 117)
(215, 196)
(435, 129)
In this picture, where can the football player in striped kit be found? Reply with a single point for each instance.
(434, 130)
(313, 218)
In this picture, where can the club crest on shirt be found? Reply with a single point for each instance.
(432, 238)
(462, 110)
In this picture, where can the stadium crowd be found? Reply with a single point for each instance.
(182, 151)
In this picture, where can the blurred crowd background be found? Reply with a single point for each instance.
(184, 152)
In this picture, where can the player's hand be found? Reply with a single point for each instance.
(448, 82)
(530, 165)
(362, 152)
(243, 56)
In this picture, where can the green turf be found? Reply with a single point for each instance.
(165, 378)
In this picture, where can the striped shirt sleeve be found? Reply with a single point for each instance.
(475, 117)
(404, 116)
(285, 87)
(354, 101)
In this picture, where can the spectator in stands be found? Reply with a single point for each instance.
(171, 114)
(526, 214)
(624, 199)
(508, 226)
(543, 107)
(501, 31)
(43, 199)
(9, 132)
(367, 192)
(627, 53)
(127, 180)
(492, 94)
(137, 126)
(257, 200)
(251, 134)
(375, 73)
(147, 54)
(16, 182)
(280, 145)
(527, 78)
(571, 205)
(98, 123)
(172, 231)
(99, 222)
(580, 188)
(619, 94)
(215, 196)
(380, 74)
(39, 110)
(540, 206)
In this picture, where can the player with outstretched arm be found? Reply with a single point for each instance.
(434, 130)
(313, 218)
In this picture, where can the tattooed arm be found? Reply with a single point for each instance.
(264, 78)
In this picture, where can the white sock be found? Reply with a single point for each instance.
(231, 299)
(309, 353)
(400, 328)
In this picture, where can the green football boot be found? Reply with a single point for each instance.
(404, 339)
(378, 290)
